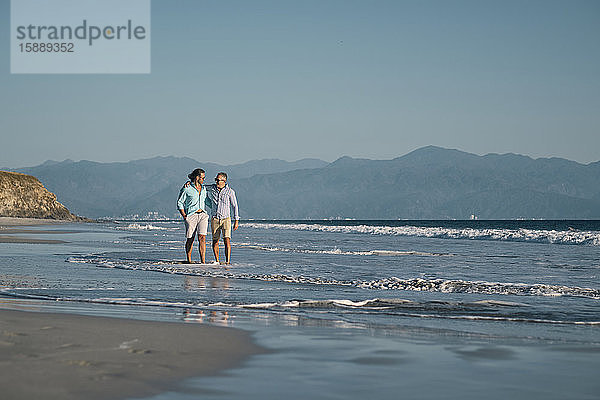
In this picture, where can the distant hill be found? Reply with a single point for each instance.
(428, 183)
(24, 196)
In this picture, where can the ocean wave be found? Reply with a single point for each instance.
(339, 251)
(378, 304)
(485, 310)
(390, 283)
(473, 311)
(516, 235)
(389, 303)
(479, 287)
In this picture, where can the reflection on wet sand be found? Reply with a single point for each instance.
(204, 316)
(18, 281)
(192, 283)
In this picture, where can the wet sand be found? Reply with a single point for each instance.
(18, 239)
(13, 221)
(8, 224)
(63, 356)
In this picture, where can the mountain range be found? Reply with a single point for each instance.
(428, 183)
(117, 189)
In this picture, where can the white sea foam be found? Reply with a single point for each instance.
(518, 235)
(483, 287)
(339, 303)
(387, 304)
(143, 227)
(337, 251)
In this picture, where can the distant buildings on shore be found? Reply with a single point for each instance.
(149, 216)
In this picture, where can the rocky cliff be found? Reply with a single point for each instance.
(24, 196)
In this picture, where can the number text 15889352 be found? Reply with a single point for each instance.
(47, 47)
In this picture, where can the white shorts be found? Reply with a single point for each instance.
(196, 223)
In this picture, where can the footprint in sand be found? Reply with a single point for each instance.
(80, 363)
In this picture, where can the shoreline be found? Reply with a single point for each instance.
(18, 239)
(8, 224)
(71, 356)
(18, 221)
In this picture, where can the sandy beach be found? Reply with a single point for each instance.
(62, 356)
(10, 227)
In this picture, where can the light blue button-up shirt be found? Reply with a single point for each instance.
(221, 201)
(190, 200)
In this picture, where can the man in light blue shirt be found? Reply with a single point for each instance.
(192, 203)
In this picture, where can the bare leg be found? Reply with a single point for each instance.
(227, 250)
(202, 244)
(189, 243)
(215, 247)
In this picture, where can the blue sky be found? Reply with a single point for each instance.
(233, 81)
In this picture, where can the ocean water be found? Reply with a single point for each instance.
(352, 308)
